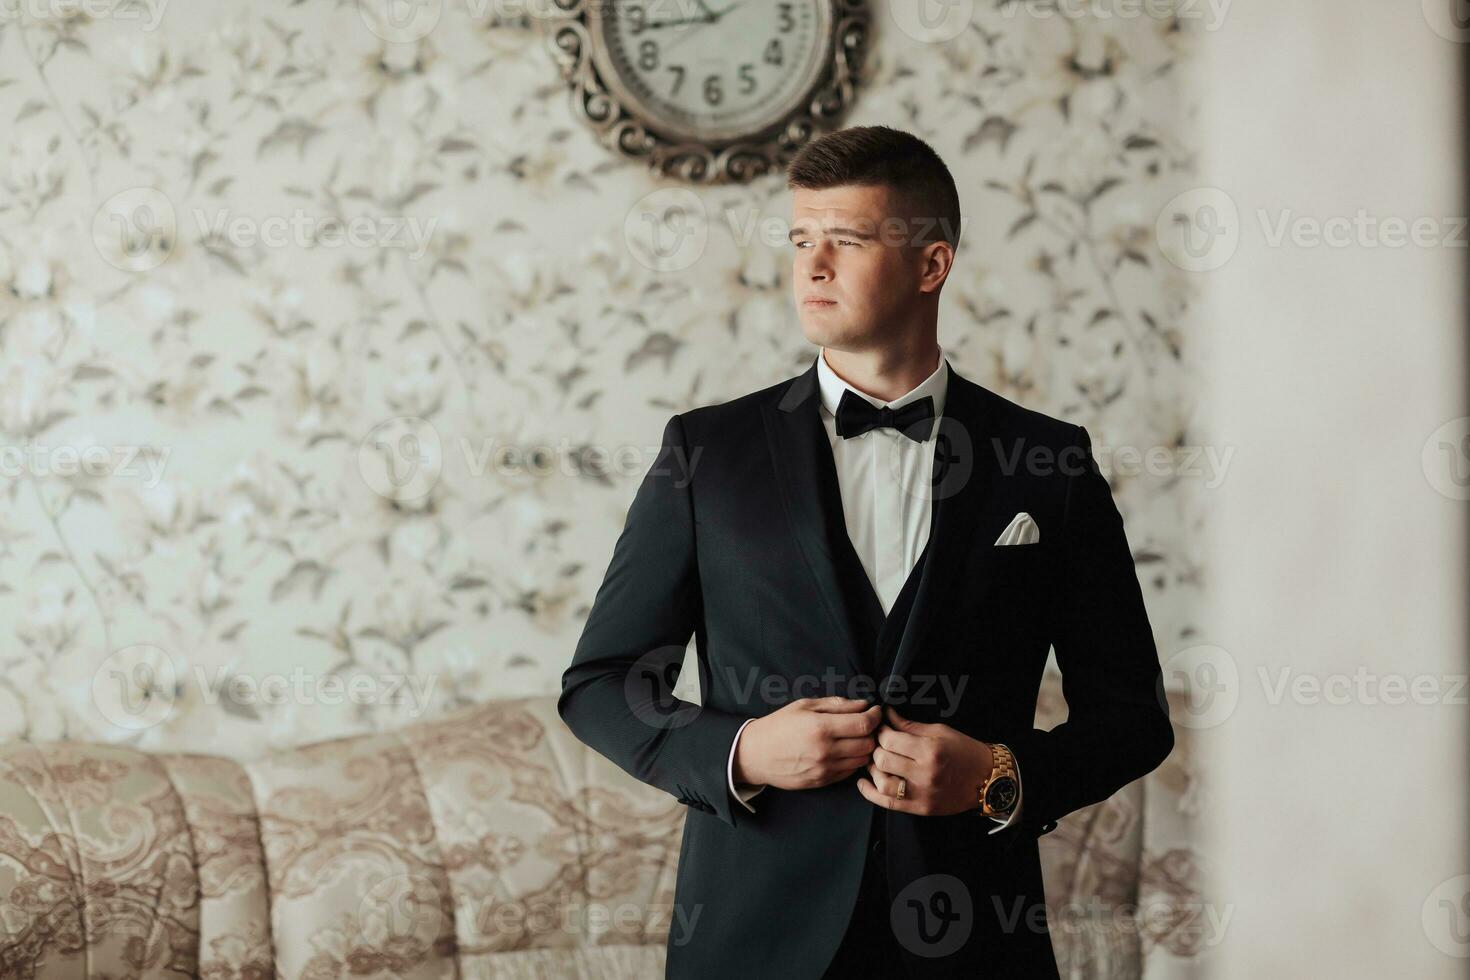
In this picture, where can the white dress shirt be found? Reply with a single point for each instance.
(884, 479)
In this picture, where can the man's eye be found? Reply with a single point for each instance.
(840, 242)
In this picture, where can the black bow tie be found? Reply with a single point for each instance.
(856, 415)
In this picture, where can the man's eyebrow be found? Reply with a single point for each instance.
(844, 232)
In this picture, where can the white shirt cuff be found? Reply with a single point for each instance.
(745, 791)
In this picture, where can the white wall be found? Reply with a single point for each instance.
(1335, 549)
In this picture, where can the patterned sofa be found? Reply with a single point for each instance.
(487, 843)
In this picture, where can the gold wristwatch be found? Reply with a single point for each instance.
(999, 793)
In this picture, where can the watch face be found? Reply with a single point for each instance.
(711, 69)
(1001, 793)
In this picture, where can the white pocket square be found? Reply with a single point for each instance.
(1022, 530)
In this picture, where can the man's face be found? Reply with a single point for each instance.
(851, 248)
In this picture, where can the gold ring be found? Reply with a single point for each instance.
(903, 785)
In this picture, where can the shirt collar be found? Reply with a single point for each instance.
(832, 386)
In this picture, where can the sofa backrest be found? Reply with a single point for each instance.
(489, 842)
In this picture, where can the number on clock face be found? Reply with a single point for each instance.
(713, 69)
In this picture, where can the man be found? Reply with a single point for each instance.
(874, 558)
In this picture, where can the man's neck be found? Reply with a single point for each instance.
(884, 373)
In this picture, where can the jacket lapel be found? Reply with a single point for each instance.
(965, 469)
(807, 478)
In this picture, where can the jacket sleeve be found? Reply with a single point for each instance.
(617, 694)
(1117, 726)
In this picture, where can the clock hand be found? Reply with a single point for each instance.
(708, 17)
(712, 18)
(679, 22)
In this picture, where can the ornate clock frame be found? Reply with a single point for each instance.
(740, 159)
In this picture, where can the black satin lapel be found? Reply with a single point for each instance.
(807, 477)
(964, 474)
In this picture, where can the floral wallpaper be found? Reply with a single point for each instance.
(329, 361)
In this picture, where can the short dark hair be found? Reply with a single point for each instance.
(880, 155)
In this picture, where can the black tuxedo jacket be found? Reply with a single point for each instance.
(731, 538)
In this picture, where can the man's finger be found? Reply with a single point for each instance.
(871, 794)
(838, 704)
(849, 725)
(892, 717)
(900, 743)
(854, 745)
(892, 762)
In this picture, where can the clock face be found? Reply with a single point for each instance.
(710, 70)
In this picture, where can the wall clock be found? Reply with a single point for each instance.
(709, 91)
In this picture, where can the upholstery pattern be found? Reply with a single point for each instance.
(486, 843)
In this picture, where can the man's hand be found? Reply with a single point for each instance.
(808, 743)
(943, 768)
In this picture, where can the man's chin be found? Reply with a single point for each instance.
(821, 334)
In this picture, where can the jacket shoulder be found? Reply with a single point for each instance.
(734, 414)
(1014, 419)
